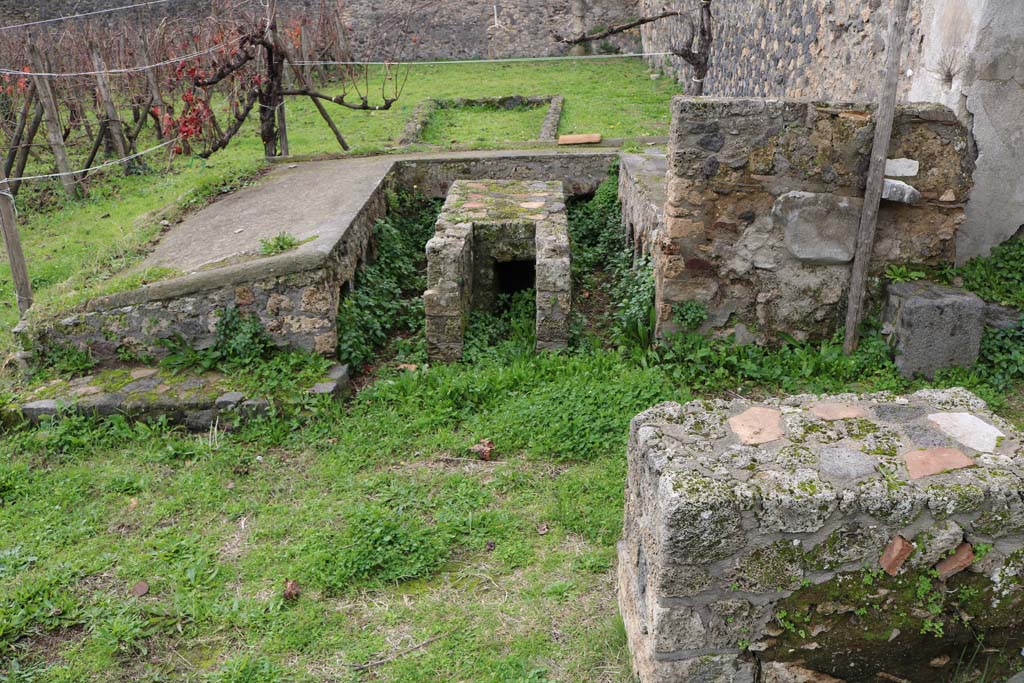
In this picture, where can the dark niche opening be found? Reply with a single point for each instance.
(514, 276)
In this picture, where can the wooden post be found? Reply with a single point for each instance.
(154, 89)
(282, 121)
(114, 128)
(873, 190)
(9, 229)
(53, 131)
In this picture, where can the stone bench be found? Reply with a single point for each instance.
(496, 236)
(843, 537)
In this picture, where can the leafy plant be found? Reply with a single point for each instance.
(278, 244)
(239, 340)
(1000, 276)
(387, 294)
(690, 315)
(65, 359)
(903, 273)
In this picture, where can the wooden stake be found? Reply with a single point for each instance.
(873, 191)
(9, 229)
(114, 128)
(53, 131)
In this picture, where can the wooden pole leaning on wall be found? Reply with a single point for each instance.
(12, 242)
(876, 176)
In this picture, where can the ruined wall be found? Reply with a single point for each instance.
(821, 49)
(763, 204)
(968, 56)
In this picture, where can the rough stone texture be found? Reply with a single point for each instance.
(733, 236)
(396, 29)
(718, 533)
(933, 326)
(819, 228)
(296, 294)
(964, 55)
(483, 225)
(197, 402)
(642, 193)
(899, 191)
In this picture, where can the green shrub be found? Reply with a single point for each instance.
(239, 340)
(999, 277)
(388, 293)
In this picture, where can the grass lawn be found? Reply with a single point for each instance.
(72, 246)
(140, 553)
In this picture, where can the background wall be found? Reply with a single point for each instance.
(966, 54)
(431, 29)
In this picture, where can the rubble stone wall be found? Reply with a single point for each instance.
(763, 204)
(295, 296)
(799, 530)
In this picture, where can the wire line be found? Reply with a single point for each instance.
(83, 14)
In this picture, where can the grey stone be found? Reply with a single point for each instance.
(818, 228)
(934, 327)
(103, 405)
(339, 373)
(677, 628)
(254, 408)
(229, 400)
(846, 463)
(923, 436)
(901, 168)
(899, 191)
(1001, 317)
(37, 409)
(894, 412)
(935, 543)
(141, 386)
(326, 389)
(200, 420)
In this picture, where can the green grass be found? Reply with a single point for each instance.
(406, 547)
(73, 248)
(483, 125)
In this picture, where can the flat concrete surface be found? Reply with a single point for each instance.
(649, 171)
(312, 200)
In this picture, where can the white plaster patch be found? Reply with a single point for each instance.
(901, 168)
(969, 430)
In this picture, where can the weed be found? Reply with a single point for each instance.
(278, 244)
(1000, 276)
(240, 340)
(903, 273)
(690, 315)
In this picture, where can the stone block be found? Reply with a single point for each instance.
(901, 168)
(229, 400)
(723, 533)
(933, 326)
(819, 228)
(35, 410)
(899, 191)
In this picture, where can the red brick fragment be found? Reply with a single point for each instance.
(895, 554)
(935, 460)
(960, 560)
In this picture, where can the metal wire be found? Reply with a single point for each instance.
(83, 14)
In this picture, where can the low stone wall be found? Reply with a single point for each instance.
(763, 203)
(813, 530)
(485, 224)
(417, 123)
(295, 295)
(642, 194)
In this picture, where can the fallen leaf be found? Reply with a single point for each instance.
(230, 485)
(292, 590)
(408, 367)
(483, 449)
(542, 529)
(490, 546)
(140, 589)
(133, 503)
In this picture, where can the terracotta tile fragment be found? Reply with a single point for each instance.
(837, 411)
(757, 425)
(960, 560)
(931, 461)
(895, 554)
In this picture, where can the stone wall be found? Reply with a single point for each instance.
(443, 29)
(763, 206)
(295, 295)
(832, 533)
(968, 56)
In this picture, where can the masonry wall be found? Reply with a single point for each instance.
(411, 29)
(763, 203)
(968, 56)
